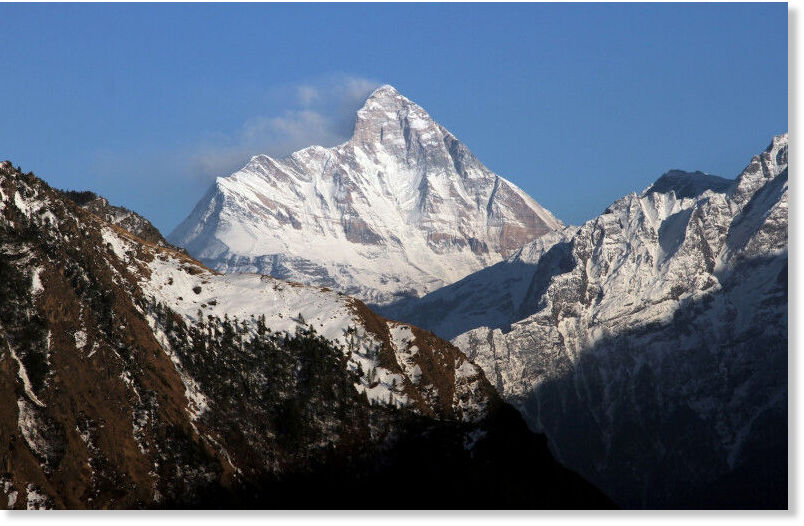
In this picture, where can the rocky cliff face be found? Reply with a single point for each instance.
(650, 344)
(400, 209)
(117, 215)
(133, 376)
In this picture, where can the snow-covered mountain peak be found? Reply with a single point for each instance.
(386, 96)
(386, 106)
(762, 168)
(391, 124)
(779, 141)
(402, 207)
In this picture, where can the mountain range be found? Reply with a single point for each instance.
(138, 378)
(632, 341)
(388, 323)
(649, 344)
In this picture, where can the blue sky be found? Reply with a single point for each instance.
(577, 104)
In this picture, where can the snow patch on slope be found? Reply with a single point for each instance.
(31, 428)
(22, 373)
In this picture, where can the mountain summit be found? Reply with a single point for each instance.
(400, 209)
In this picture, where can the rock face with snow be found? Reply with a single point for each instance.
(131, 376)
(400, 209)
(650, 344)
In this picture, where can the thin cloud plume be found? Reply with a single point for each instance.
(324, 115)
(307, 95)
(318, 112)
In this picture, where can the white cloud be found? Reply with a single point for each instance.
(358, 88)
(324, 115)
(316, 112)
(307, 95)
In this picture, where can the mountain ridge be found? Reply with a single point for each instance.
(118, 215)
(138, 378)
